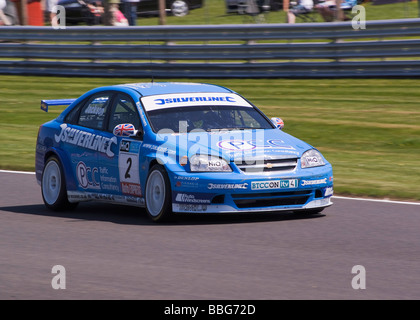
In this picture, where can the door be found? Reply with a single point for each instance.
(82, 133)
(123, 169)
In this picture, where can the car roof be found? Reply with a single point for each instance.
(154, 88)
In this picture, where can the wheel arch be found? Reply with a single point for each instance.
(65, 164)
(165, 207)
(152, 163)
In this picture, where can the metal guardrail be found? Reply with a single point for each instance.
(385, 48)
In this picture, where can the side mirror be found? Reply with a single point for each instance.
(278, 122)
(125, 130)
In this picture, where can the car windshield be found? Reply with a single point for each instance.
(207, 118)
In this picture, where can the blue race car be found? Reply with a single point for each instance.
(176, 147)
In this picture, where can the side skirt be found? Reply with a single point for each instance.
(76, 196)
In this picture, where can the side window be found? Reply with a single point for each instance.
(124, 111)
(73, 116)
(94, 111)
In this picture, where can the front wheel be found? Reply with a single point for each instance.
(158, 194)
(313, 211)
(53, 186)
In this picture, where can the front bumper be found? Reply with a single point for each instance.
(233, 192)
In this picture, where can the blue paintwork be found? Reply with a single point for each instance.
(103, 163)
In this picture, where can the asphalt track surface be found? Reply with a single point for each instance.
(115, 252)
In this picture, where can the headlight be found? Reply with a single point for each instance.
(311, 158)
(206, 163)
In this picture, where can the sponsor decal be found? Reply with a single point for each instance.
(86, 176)
(191, 198)
(243, 145)
(128, 165)
(227, 186)
(191, 207)
(186, 181)
(159, 148)
(142, 115)
(85, 139)
(328, 192)
(108, 182)
(187, 184)
(193, 99)
(125, 146)
(130, 146)
(274, 184)
(312, 161)
(187, 178)
(77, 196)
(99, 111)
(304, 183)
(131, 188)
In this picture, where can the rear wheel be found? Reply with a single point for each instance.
(53, 186)
(158, 194)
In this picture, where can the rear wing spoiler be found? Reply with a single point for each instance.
(57, 102)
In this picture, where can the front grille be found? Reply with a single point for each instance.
(272, 199)
(267, 165)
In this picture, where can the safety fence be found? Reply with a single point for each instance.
(388, 48)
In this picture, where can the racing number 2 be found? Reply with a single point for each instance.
(128, 164)
(127, 173)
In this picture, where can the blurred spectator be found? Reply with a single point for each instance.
(95, 8)
(252, 7)
(328, 9)
(50, 12)
(3, 17)
(11, 12)
(118, 19)
(303, 7)
(130, 11)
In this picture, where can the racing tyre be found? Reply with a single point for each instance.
(53, 186)
(313, 211)
(158, 194)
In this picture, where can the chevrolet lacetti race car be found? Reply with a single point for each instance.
(173, 148)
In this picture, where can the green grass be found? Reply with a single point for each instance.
(368, 129)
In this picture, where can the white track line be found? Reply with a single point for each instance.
(379, 200)
(21, 172)
(336, 197)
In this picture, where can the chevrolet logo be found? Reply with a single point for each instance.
(269, 165)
